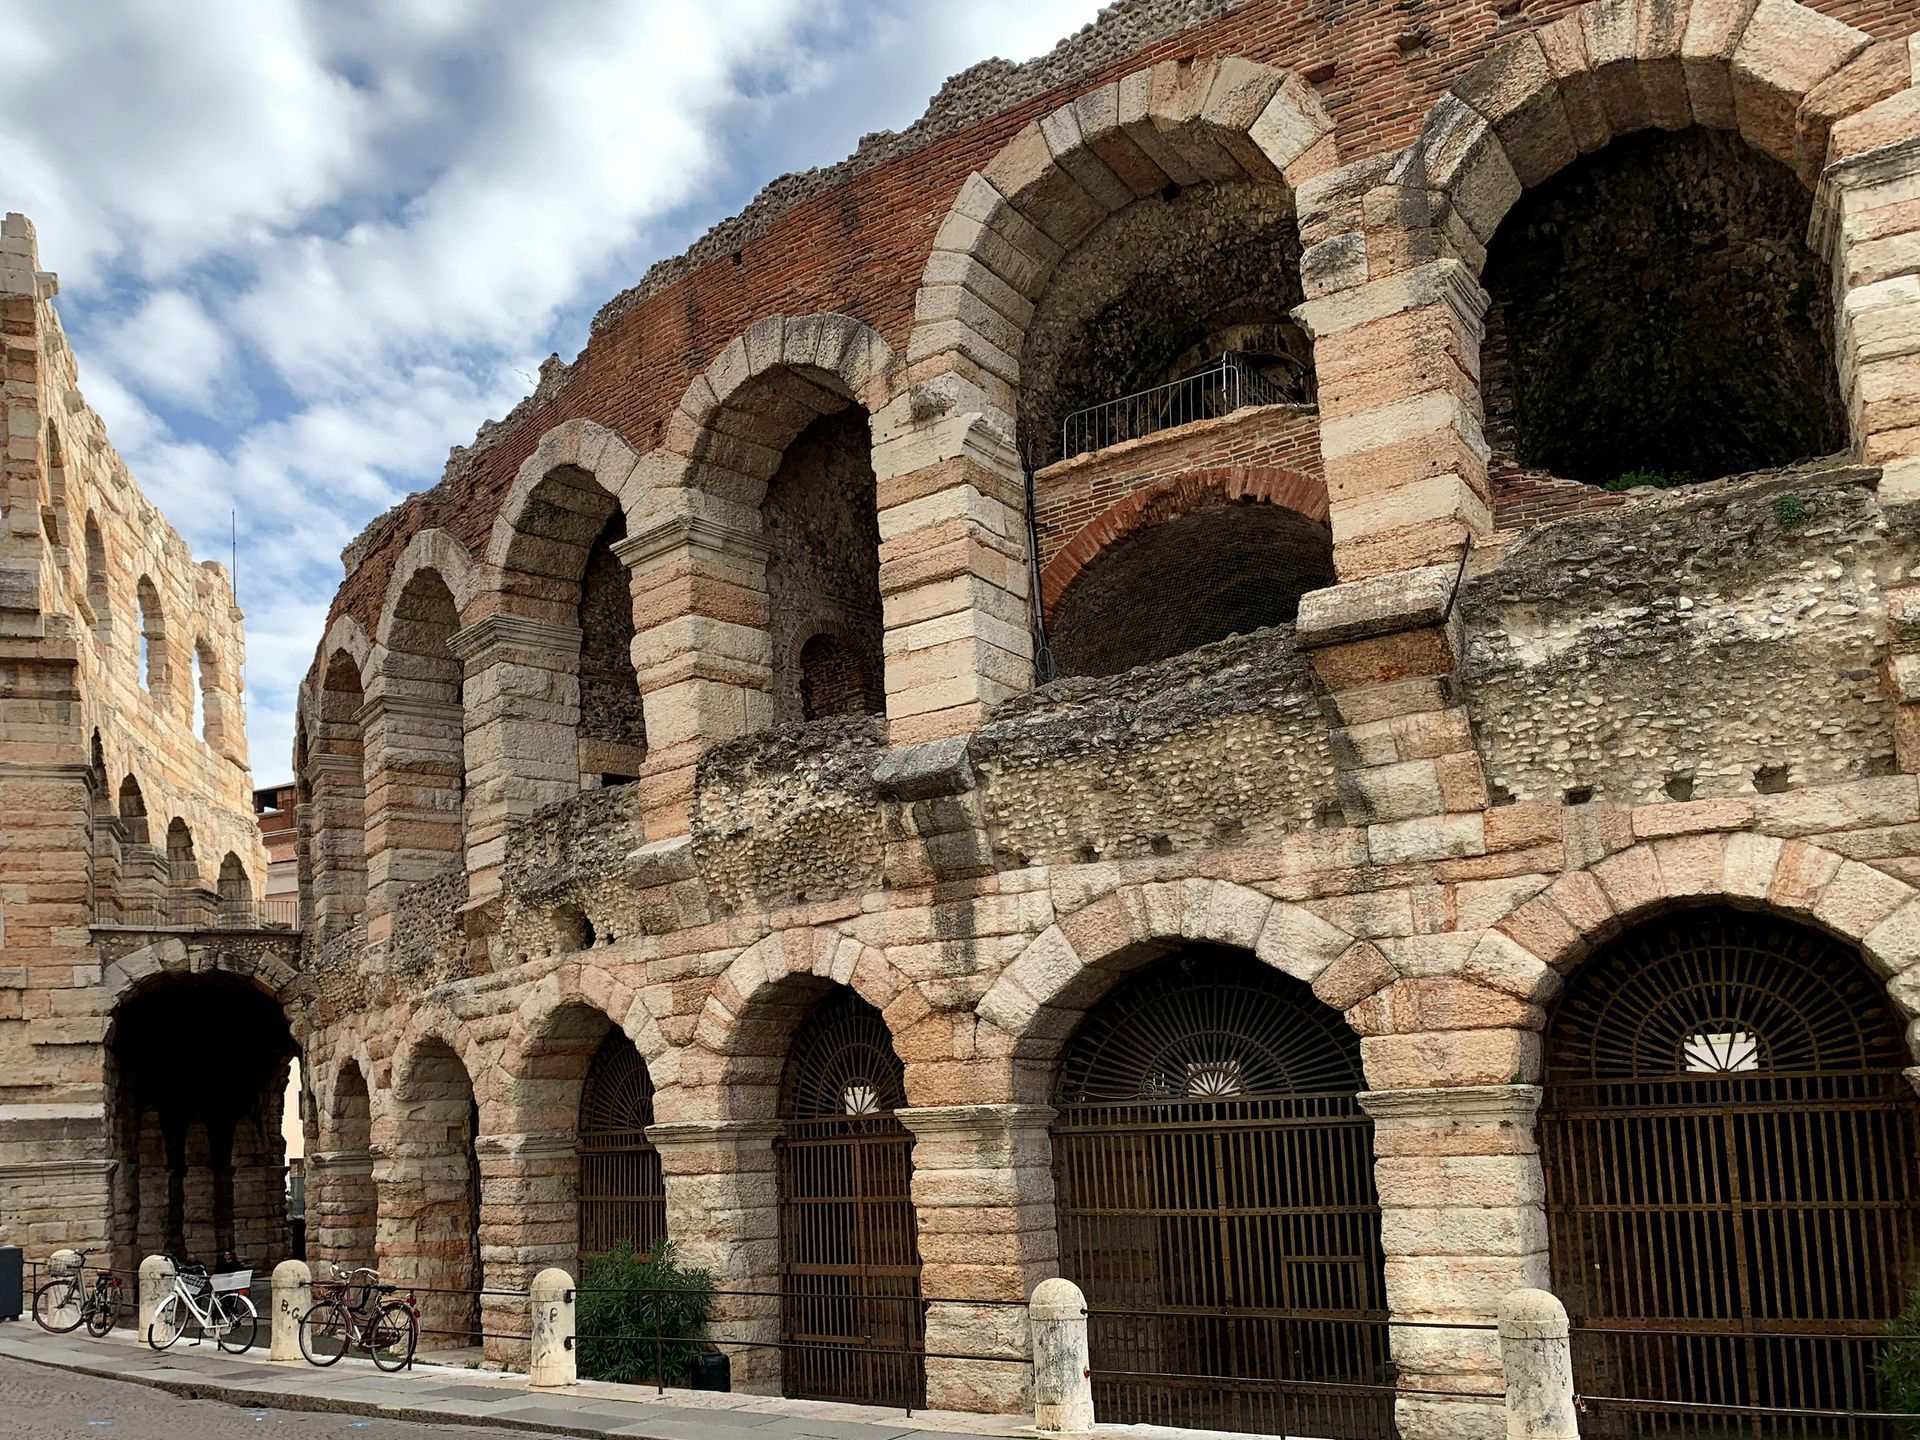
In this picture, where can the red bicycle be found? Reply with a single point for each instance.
(387, 1329)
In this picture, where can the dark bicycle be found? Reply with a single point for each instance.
(387, 1329)
(63, 1304)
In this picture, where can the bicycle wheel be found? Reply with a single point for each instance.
(238, 1323)
(168, 1323)
(392, 1336)
(56, 1306)
(100, 1312)
(324, 1332)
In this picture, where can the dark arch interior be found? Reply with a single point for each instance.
(1158, 289)
(1656, 312)
(623, 1196)
(613, 725)
(1225, 569)
(201, 1156)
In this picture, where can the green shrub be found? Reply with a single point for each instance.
(1789, 510)
(641, 1318)
(1898, 1368)
(1646, 480)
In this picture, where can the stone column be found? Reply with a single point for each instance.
(723, 1215)
(415, 781)
(522, 699)
(700, 647)
(983, 1193)
(1397, 363)
(341, 1206)
(1462, 1225)
(339, 821)
(529, 1222)
(424, 1238)
(955, 573)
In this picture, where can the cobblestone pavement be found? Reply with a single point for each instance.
(47, 1404)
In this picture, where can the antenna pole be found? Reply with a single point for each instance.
(233, 551)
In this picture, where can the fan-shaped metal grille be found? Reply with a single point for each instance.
(1720, 992)
(842, 1063)
(623, 1192)
(1210, 1024)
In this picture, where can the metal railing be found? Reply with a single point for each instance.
(1228, 384)
(196, 910)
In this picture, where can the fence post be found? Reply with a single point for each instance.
(1538, 1364)
(292, 1298)
(553, 1362)
(156, 1283)
(1062, 1389)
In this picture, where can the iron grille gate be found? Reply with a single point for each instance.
(1730, 1152)
(851, 1315)
(623, 1194)
(1214, 1181)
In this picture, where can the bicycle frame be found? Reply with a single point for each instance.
(212, 1320)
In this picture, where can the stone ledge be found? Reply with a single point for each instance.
(925, 772)
(1382, 605)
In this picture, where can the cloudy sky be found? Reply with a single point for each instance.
(305, 246)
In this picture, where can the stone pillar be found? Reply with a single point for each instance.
(522, 698)
(1462, 1224)
(723, 1215)
(338, 894)
(156, 1283)
(424, 1238)
(700, 647)
(416, 778)
(983, 1193)
(1062, 1387)
(1537, 1360)
(529, 1224)
(1397, 364)
(292, 1298)
(341, 1206)
(955, 573)
(553, 1363)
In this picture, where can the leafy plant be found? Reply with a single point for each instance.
(1898, 1368)
(1789, 510)
(641, 1318)
(1646, 480)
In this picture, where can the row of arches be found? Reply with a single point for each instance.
(1727, 1140)
(140, 869)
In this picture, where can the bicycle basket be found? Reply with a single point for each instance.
(231, 1281)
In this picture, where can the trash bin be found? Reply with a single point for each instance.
(12, 1288)
(711, 1371)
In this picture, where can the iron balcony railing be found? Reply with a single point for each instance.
(197, 911)
(1230, 383)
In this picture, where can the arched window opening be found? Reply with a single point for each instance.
(1730, 1147)
(182, 865)
(613, 725)
(623, 1196)
(1226, 568)
(1658, 317)
(1216, 1195)
(1174, 309)
(133, 813)
(823, 566)
(849, 1247)
(205, 684)
(153, 638)
(99, 599)
(235, 887)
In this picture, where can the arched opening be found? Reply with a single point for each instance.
(343, 1214)
(623, 1193)
(1222, 568)
(1175, 309)
(133, 813)
(153, 638)
(183, 866)
(417, 794)
(200, 1162)
(1216, 1202)
(613, 724)
(849, 1244)
(337, 798)
(235, 888)
(1730, 1149)
(822, 530)
(99, 596)
(1658, 317)
(206, 687)
(430, 1225)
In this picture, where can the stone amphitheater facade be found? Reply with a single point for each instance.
(824, 716)
(129, 857)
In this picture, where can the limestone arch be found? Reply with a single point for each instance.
(1040, 999)
(586, 446)
(432, 549)
(1181, 122)
(577, 987)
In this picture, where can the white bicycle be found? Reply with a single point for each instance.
(217, 1304)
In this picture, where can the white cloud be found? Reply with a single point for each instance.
(307, 245)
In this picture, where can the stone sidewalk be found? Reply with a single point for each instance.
(434, 1393)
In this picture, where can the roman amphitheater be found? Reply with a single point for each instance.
(1272, 663)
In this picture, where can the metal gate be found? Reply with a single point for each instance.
(1730, 1152)
(623, 1195)
(1214, 1180)
(851, 1315)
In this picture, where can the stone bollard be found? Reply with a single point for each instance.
(156, 1283)
(61, 1264)
(292, 1298)
(1538, 1364)
(552, 1363)
(1062, 1389)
